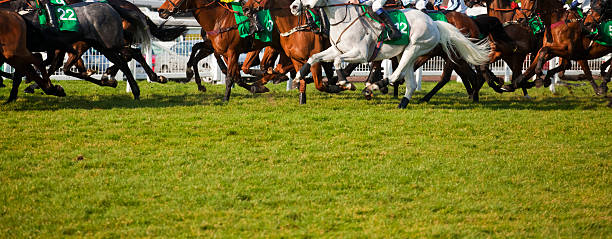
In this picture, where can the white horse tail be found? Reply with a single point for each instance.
(455, 43)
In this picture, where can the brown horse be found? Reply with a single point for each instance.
(515, 25)
(14, 51)
(298, 42)
(568, 40)
(217, 19)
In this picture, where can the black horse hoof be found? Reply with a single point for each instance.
(59, 91)
(384, 90)
(201, 88)
(404, 103)
(508, 88)
(163, 80)
(29, 90)
(302, 98)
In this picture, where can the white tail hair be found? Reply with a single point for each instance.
(455, 43)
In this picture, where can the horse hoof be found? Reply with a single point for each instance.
(352, 87)
(110, 83)
(201, 88)
(384, 90)
(28, 90)
(90, 72)
(279, 79)
(507, 88)
(59, 91)
(302, 98)
(163, 79)
(367, 93)
(404, 103)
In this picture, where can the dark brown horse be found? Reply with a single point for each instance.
(134, 21)
(14, 51)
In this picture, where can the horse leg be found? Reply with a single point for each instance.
(327, 55)
(394, 63)
(589, 76)
(15, 89)
(447, 71)
(118, 60)
(72, 59)
(605, 76)
(563, 65)
(195, 51)
(233, 73)
(136, 54)
(196, 71)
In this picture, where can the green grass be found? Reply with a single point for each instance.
(179, 163)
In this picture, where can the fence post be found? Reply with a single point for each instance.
(419, 77)
(289, 82)
(507, 73)
(217, 74)
(552, 64)
(149, 58)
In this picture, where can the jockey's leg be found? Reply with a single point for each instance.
(255, 24)
(377, 6)
(386, 19)
(53, 23)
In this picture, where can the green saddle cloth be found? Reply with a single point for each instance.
(536, 25)
(399, 18)
(243, 23)
(437, 16)
(65, 15)
(605, 33)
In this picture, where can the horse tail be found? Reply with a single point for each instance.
(455, 43)
(165, 33)
(138, 19)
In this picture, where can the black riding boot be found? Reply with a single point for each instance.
(256, 26)
(386, 19)
(52, 21)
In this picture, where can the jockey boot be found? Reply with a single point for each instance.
(256, 26)
(386, 19)
(52, 20)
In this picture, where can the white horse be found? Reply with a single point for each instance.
(354, 37)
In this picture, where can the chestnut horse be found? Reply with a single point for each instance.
(14, 51)
(298, 42)
(568, 41)
(217, 19)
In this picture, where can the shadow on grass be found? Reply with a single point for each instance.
(456, 100)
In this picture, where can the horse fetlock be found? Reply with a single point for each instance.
(189, 74)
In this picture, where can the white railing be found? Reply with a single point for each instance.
(170, 59)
